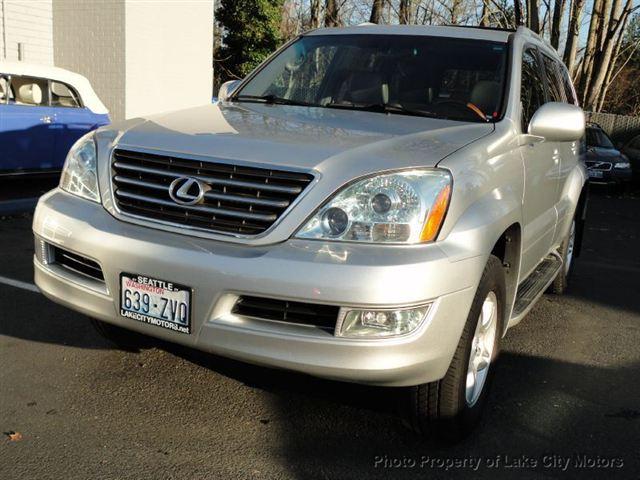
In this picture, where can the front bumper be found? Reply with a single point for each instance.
(299, 270)
(610, 177)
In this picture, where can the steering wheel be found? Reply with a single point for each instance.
(465, 107)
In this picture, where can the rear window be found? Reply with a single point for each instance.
(62, 95)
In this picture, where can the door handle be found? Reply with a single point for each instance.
(46, 119)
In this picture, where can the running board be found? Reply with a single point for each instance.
(535, 284)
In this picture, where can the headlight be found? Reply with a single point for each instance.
(622, 165)
(79, 175)
(400, 207)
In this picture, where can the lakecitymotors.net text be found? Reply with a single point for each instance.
(547, 462)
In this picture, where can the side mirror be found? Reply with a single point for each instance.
(558, 122)
(227, 88)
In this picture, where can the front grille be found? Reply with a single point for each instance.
(313, 314)
(595, 165)
(77, 264)
(241, 200)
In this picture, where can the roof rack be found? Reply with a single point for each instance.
(480, 27)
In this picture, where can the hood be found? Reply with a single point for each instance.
(303, 137)
(595, 154)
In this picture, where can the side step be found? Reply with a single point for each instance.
(536, 283)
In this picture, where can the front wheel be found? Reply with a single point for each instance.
(449, 408)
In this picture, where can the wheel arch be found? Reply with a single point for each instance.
(507, 248)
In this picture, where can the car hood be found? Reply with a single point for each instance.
(303, 137)
(595, 154)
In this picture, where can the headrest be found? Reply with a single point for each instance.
(30, 93)
(485, 95)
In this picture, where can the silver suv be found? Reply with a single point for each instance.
(373, 204)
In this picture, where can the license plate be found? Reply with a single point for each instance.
(595, 174)
(156, 302)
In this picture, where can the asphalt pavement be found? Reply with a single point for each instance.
(565, 401)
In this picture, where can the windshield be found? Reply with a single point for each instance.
(597, 138)
(412, 75)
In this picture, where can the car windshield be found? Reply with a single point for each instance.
(436, 77)
(597, 138)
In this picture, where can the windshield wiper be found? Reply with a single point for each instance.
(271, 100)
(392, 108)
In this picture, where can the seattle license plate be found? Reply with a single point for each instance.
(156, 302)
(594, 173)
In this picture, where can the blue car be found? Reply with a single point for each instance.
(43, 111)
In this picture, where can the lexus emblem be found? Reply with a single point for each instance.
(188, 190)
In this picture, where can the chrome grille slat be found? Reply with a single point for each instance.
(242, 200)
(211, 180)
(222, 169)
(213, 196)
(198, 208)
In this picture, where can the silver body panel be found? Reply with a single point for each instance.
(501, 177)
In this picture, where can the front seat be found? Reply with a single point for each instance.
(363, 87)
(30, 94)
(486, 96)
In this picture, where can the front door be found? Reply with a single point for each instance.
(542, 169)
(26, 133)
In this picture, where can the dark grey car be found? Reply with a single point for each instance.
(605, 164)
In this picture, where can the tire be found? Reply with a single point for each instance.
(445, 410)
(567, 250)
(120, 337)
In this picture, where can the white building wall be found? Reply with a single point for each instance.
(89, 38)
(169, 51)
(142, 57)
(27, 22)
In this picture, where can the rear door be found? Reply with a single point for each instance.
(541, 165)
(71, 119)
(26, 133)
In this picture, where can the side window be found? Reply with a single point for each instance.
(29, 91)
(532, 87)
(4, 89)
(568, 86)
(554, 83)
(62, 95)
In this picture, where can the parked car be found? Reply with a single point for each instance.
(373, 204)
(43, 111)
(631, 150)
(605, 163)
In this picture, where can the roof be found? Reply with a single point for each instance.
(77, 81)
(472, 33)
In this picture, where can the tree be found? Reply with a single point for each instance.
(486, 14)
(558, 13)
(606, 30)
(533, 19)
(573, 34)
(314, 13)
(405, 12)
(376, 11)
(332, 13)
(251, 32)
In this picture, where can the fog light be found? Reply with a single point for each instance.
(380, 323)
